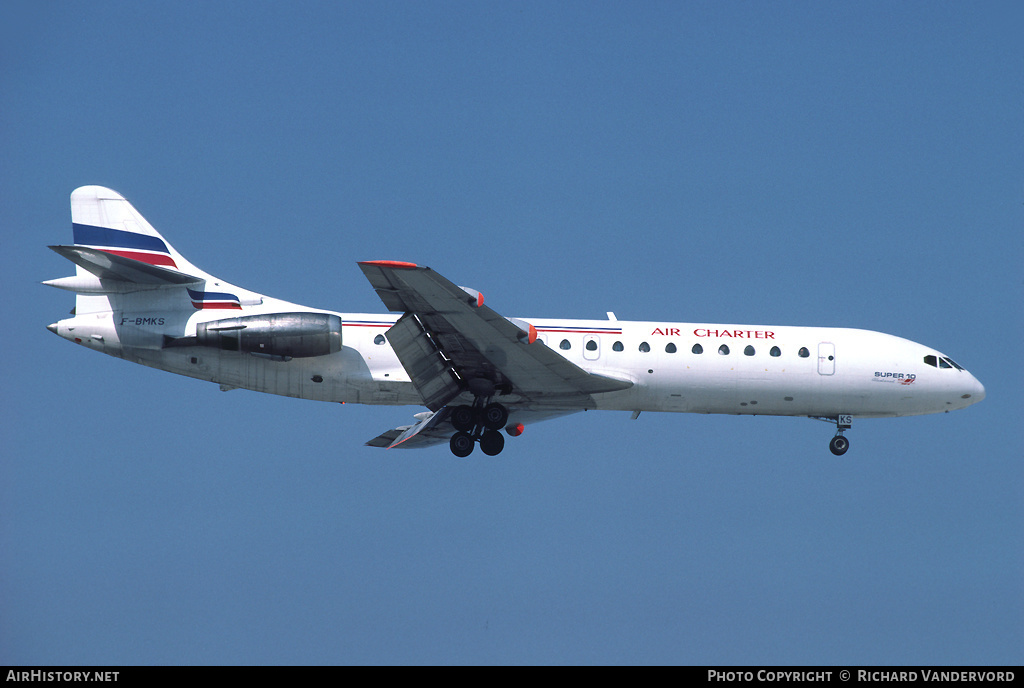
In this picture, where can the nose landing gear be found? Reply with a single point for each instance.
(839, 444)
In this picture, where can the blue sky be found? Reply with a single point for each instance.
(767, 163)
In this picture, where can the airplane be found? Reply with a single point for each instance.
(477, 372)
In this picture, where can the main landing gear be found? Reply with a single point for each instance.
(478, 423)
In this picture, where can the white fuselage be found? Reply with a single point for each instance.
(680, 367)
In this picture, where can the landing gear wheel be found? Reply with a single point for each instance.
(492, 442)
(463, 419)
(461, 444)
(495, 416)
(838, 445)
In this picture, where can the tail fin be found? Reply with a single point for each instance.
(117, 251)
(113, 241)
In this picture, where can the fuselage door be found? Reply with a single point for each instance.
(827, 358)
(591, 348)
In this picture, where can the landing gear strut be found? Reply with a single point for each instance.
(478, 423)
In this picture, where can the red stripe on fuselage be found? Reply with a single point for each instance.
(215, 306)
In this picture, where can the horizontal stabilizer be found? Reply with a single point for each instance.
(109, 266)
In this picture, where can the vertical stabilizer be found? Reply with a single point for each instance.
(122, 262)
(103, 220)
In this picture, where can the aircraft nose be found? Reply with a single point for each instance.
(979, 392)
(974, 391)
(52, 328)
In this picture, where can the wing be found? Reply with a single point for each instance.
(428, 430)
(449, 342)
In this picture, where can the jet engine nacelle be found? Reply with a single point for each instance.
(278, 335)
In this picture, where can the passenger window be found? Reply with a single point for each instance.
(931, 360)
(697, 349)
(379, 339)
(724, 350)
(591, 345)
(748, 350)
(564, 345)
(776, 351)
(670, 348)
(617, 346)
(803, 352)
(645, 347)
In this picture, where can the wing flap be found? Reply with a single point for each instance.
(429, 371)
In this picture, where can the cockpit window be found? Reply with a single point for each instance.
(941, 362)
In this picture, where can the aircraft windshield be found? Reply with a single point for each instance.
(941, 362)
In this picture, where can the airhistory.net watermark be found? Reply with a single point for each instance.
(63, 676)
